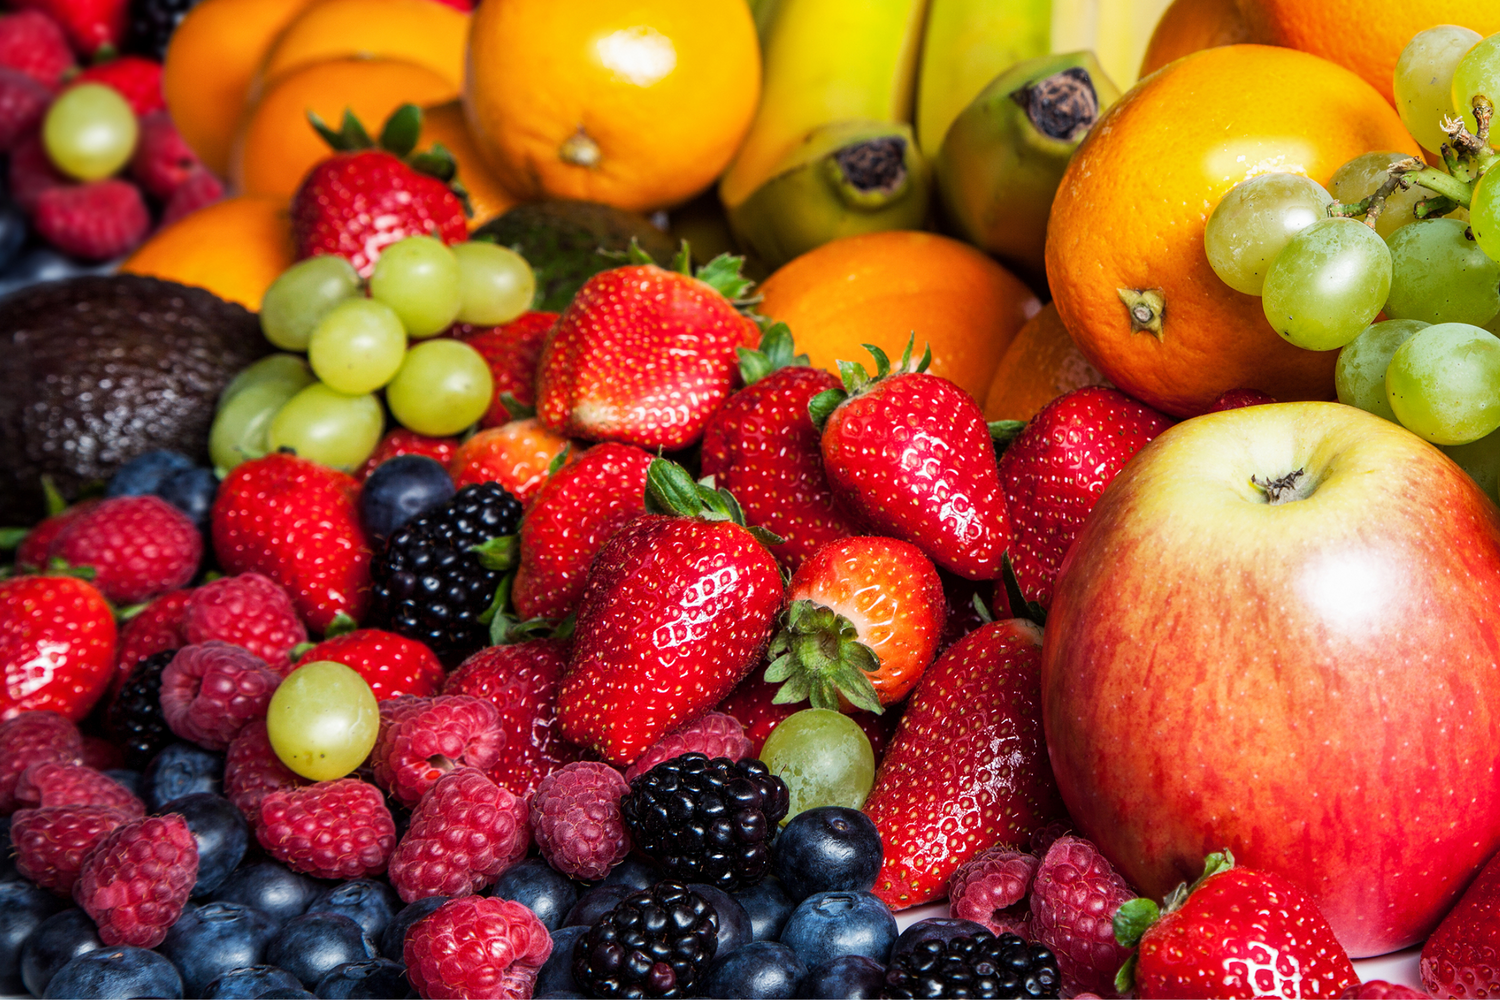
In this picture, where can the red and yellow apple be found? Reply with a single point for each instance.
(1279, 633)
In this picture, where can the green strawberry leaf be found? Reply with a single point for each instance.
(342, 624)
(1132, 919)
(300, 650)
(776, 351)
(436, 162)
(723, 273)
(821, 406)
(670, 489)
(635, 255)
(401, 131)
(1020, 606)
(682, 261)
(1003, 432)
(1125, 977)
(514, 408)
(11, 538)
(498, 553)
(53, 497)
(818, 657)
(982, 610)
(558, 460)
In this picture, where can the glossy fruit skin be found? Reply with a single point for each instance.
(270, 887)
(540, 888)
(827, 925)
(116, 971)
(235, 248)
(57, 643)
(1339, 653)
(312, 945)
(391, 664)
(759, 969)
(829, 848)
(180, 769)
(210, 940)
(56, 941)
(221, 833)
(1456, 956)
(401, 489)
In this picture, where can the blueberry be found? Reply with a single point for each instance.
(539, 887)
(23, 907)
(12, 231)
(144, 474)
(42, 263)
(826, 925)
(222, 834)
(555, 977)
(124, 776)
(768, 906)
(181, 769)
(827, 849)
(209, 940)
(250, 982)
(370, 904)
(849, 977)
(634, 872)
(122, 971)
(735, 929)
(376, 979)
(393, 940)
(191, 491)
(943, 929)
(310, 946)
(400, 489)
(596, 903)
(759, 969)
(58, 940)
(271, 887)
(286, 993)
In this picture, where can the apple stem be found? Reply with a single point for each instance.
(1284, 489)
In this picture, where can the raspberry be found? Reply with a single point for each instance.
(422, 738)
(23, 102)
(248, 610)
(198, 189)
(33, 738)
(156, 629)
(330, 829)
(1380, 989)
(575, 817)
(136, 881)
(51, 843)
(100, 754)
(139, 546)
(209, 691)
(252, 770)
(53, 783)
(34, 549)
(136, 79)
(96, 221)
(32, 174)
(713, 735)
(1074, 897)
(476, 946)
(990, 889)
(34, 44)
(463, 834)
(162, 159)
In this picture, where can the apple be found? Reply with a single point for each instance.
(1279, 632)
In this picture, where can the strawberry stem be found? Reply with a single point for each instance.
(776, 351)
(817, 656)
(342, 624)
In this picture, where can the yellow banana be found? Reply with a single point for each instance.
(1117, 31)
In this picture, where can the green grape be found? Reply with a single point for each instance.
(1358, 179)
(495, 283)
(328, 427)
(1359, 376)
(1484, 212)
(1481, 460)
(1255, 220)
(1327, 284)
(418, 277)
(322, 721)
(824, 758)
(240, 428)
(1444, 383)
(1441, 276)
(301, 295)
(271, 368)
(1424, 81)
(89, 132)
(357, 346)
(1478, 72)
(443, 386)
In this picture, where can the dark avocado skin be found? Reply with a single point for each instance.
(96, 370)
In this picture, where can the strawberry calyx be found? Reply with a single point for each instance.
(818, 656)
(671, 490)
(722, 274)
(1136, 916)
(398, 136)
(776, 351)
(858, 380)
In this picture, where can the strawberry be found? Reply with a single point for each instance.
(137, 79)
(57, 646)
(1233, 399)
(761, 446)
(644, 355)
(517, 455)
(91, 25)
(404, 442)
(676, 611)
(1056, 468)
(967, 768)
(156, 629)
(162, 159)
(909, 454)
(1236, 932)
(35, 550)
(1458, 958)
(296, 522)
(391, 664)
(364, 198)
(512, 350)
(573, 514)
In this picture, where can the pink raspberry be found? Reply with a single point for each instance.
(162, 159)
(463, 834)
(51, 843)
(209, 691)
(198, 189)
(96, 221)
(33, 738)
(421, 739)
(32, 43)
(139, 546)
(136, 882)
(575, 817)
(331, 829)
(990, 889)
(252, 770)
(476, 947)
(713, 735)
(53, 783)
(1074, 897)
(31, 176)
(1380, 989)
(23, 102)
(248, 610)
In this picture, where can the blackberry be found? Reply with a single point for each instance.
(134, 719)
(707, 820)
(151, 23)
(658, 942)
(973, 965)
(429, 584)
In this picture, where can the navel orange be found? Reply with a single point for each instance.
(234, 248)
(1189, 25)
(445, 123)
(1041, 364)
(417, 31)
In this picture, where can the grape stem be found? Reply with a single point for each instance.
(1401, 175)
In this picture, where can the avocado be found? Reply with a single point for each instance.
(561, 241)
(97, 370)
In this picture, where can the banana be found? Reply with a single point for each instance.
(1117, 31)
(1003, 156)
(967, 43)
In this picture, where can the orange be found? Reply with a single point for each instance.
(1041, 364)
(1189, 25)
(1129, 214)
(417, 31)
(210, 63)
(234, 248)
(276, 146)
(882, 288)
(445, 124)
(638, 105)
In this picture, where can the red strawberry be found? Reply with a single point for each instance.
(572, 516)
(36, 548)
(57, 646)
(93, 221)
(644, 355)
(156, 629)
(910, 455)
(162, 159)
(137, 79)
(1458, 958)
(33, 43)
(404, 442)
(89, 24)
(512, 350)
(761, 446)
(677, 610)
(1055, 470)
(967, 768)
(296, 522)
(517, 455)
(751, 704)
(1236, 932)
(391, 664)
